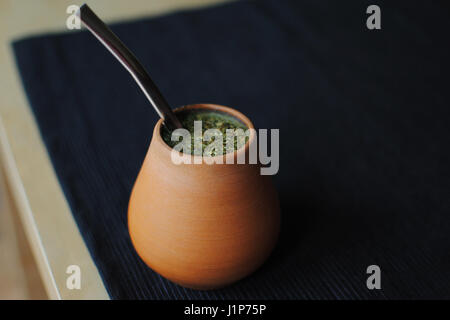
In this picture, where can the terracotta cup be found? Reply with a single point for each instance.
(202, 226)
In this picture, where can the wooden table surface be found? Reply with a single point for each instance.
(45, 216)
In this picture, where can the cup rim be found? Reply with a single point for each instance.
(212, 107)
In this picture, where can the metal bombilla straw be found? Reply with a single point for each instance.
(104, 34)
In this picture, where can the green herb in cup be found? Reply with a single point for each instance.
(209, 120)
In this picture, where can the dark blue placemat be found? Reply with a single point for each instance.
(368, 183)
